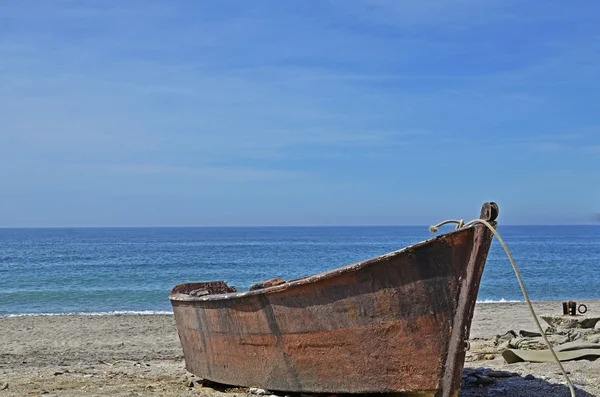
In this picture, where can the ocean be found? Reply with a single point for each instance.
(131, 270)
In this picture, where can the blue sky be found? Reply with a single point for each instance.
(150, 113)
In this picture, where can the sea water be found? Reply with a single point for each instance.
(131, 270)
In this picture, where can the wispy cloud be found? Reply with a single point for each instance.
(548, 147)
(593, 149)
(207, 173)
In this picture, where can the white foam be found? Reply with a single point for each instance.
(111, 313)
(502, 300)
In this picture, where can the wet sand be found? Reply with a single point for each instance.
(129, 355)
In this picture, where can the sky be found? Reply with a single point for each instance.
(299, 112)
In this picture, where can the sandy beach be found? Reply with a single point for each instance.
(139, 355)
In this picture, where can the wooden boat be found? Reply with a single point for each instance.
(396, 323)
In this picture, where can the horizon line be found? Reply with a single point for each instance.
(261, 226)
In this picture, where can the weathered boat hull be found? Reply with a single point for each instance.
(396, 323)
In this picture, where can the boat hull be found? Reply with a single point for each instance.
(397, 323)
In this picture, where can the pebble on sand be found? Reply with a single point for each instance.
(484, 380)
(204, 389)
(499, 374)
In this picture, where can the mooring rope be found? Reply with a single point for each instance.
(435, 228)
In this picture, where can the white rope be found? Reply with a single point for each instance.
(435, 228)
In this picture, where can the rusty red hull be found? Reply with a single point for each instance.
(396, 323)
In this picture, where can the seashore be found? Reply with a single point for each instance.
(140, 355)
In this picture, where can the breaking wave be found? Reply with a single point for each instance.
(109, 313)
(502, 300)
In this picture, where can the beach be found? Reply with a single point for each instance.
(139, 355)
